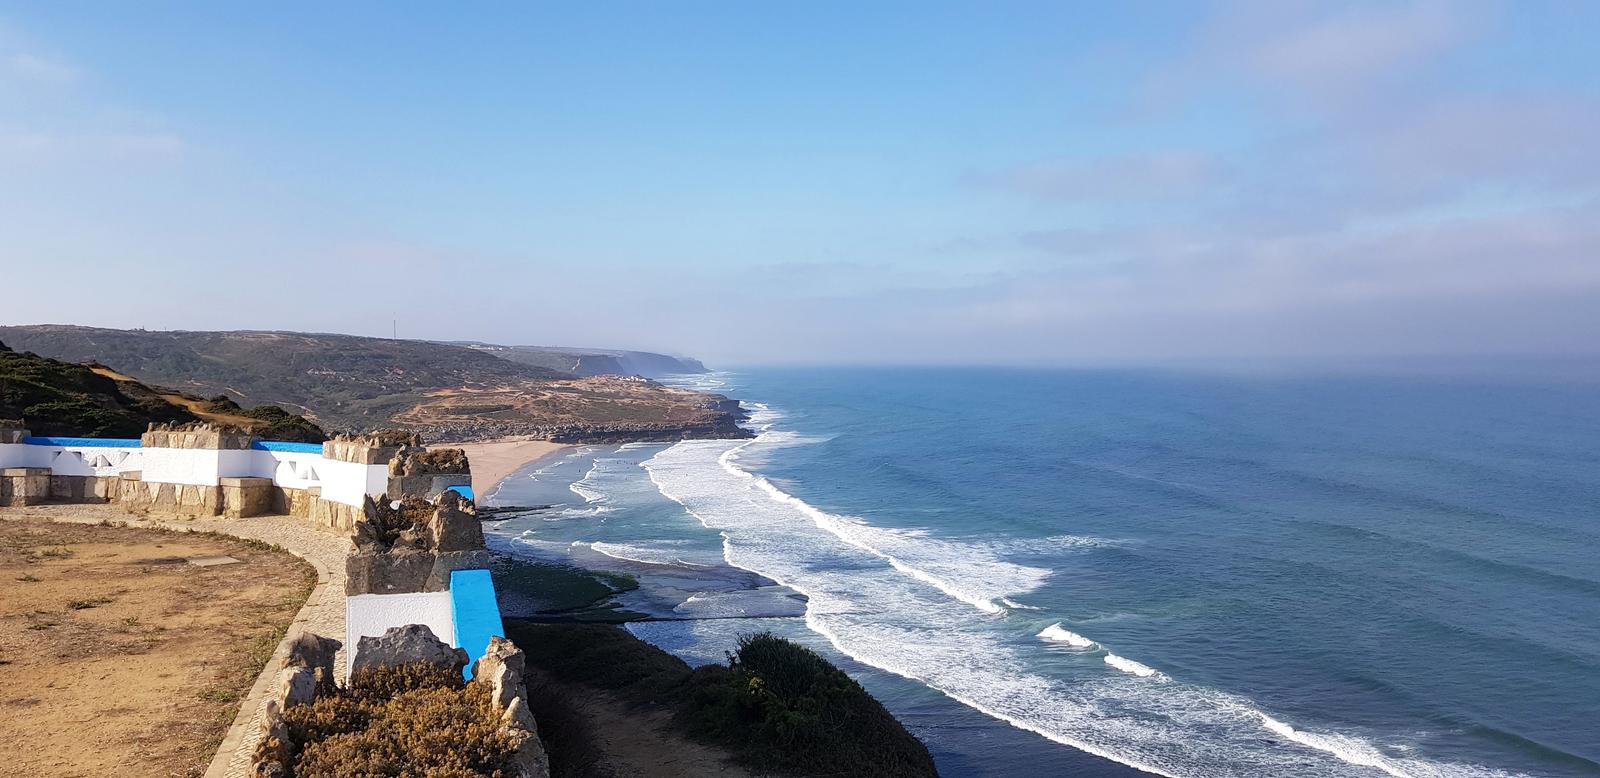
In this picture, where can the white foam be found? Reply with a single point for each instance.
(639, 554)
(1056, 633)
(1129, 666)
(585, 487)
(1014, 605)
(902, 602)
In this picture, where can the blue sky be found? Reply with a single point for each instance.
(908, 182)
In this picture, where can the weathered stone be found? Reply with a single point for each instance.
(83, 488)
(405, 645)
(308, 649)
(500, 668)
(296, 686)
(439, 461)
(452, 528)
(194, 435)
(375, 448)
(397, 572)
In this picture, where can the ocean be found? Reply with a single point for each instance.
(1110, 573)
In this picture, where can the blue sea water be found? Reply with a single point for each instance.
(1087, 572)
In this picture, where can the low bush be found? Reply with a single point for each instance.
(412, 721)
(780, 706)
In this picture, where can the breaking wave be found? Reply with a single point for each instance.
(1055, 633)
(903, 601)
(1130, 667)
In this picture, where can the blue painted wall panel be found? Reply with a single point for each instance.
(279, 445)
(477, 613)
(96, 442)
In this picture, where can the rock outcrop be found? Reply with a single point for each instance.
(412, 545)
(410, 644)
(501, 668)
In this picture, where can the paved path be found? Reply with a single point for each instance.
(323, 612)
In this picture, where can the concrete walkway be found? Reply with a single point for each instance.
(323, 612)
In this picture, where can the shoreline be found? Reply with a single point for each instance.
(494, 461)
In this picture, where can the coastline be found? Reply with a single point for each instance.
(494, 461)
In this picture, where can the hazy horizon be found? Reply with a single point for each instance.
(1018, 184)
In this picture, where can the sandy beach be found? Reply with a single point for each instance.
(494, 461)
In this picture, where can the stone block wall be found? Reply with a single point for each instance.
(142, 496)
(245, 497)
(24, 486)
(85, 488)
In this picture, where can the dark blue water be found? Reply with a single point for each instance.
(1198, 576)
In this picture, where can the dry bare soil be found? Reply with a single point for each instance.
(118, 657)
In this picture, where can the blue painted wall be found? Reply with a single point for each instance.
(477, 613)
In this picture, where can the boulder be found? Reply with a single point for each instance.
(406, 645)
(297, 686)
(309, 649)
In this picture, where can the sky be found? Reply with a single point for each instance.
(928, 183)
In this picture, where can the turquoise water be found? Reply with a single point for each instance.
(1051, 572)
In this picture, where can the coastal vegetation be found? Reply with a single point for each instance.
(775, 707)
(55, 397)
(415, 719)
(60, 398)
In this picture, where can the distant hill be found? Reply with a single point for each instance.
(448, 391)
(87, 400)
(342, 380)
(592, 362)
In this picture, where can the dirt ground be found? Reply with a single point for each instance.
(119, 657)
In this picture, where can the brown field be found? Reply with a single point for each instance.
(118, 657)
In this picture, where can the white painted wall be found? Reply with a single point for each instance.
(349, 483)
(371, 615)
(290, 469)
(197, 466)
(343, 482)
(24, 455)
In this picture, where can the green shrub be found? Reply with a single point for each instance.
(776, 706)
(785, 708)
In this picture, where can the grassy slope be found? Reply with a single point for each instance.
(59, 398)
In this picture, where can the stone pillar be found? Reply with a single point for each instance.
(245, 497)
(182, 468)
(24, 486)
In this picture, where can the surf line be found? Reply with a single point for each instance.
(831, 523)
(814, 623)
